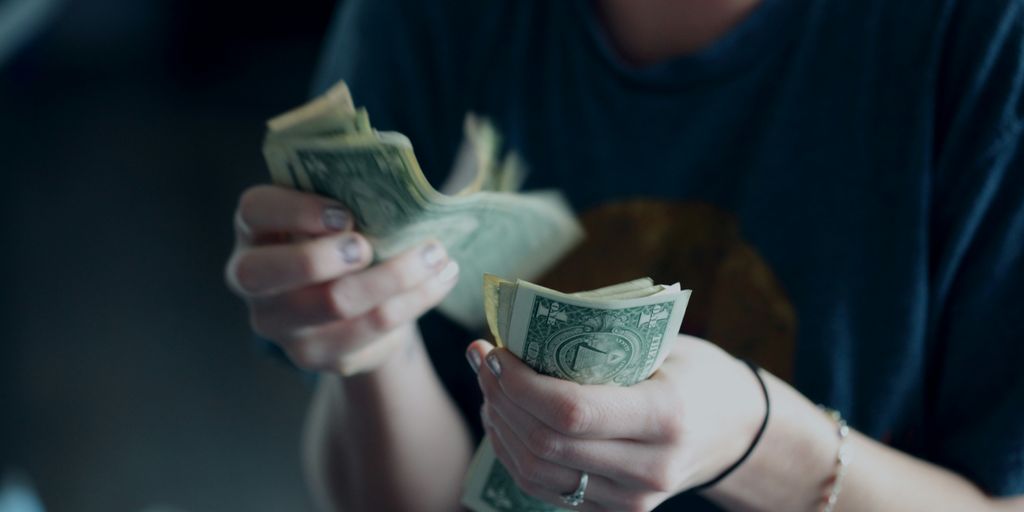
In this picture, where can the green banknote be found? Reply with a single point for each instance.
(329, 147)
(618, 335)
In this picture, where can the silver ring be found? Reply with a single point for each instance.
(575, 499)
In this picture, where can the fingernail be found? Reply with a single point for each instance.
(474, 359)
(432, 255)
(335, 219)
(494, 364)
(450, 271)
(351, 250)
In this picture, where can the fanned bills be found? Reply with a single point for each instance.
(329, 147)
(617, 335)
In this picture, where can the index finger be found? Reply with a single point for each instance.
(588, 412)
(270, 209)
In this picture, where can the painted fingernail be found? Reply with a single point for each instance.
(494, 364)
(335, 218)
(351, 250)
(474, 359)
(450, 271)
(432, 255)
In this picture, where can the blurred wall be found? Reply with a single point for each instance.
(129, 376)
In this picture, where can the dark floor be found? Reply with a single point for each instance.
(129, 376)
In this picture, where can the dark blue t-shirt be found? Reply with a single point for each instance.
(840, 183)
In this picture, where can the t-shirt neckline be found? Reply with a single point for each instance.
(767, 29)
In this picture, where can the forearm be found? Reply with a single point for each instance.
(792, 465)
(391, 439)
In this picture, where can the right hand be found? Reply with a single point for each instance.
(305, 274)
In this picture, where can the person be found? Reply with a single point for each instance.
(840, 183)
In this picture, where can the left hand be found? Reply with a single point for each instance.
(641, 445)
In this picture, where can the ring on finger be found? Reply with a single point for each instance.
(575, 498)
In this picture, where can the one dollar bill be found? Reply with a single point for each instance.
(330, 148)
(618, 335)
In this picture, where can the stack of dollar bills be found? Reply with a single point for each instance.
(329, 147)
(617, 335)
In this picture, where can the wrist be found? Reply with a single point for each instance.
(755, 438)
(382, 356)
(794, 460)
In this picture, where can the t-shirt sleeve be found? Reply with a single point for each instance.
(976, 417)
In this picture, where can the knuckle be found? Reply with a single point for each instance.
(641, 504)
(573, 417)
(304, 355)
(307, 203)
(305, 262)
(312, 205)
(385, 317)
(635, 505)
(259, 324)
(655, 483)
(515, 472)
(336, 303)
(249, 202)
(372, 284)
(531, 470)
(337, 300)
(671, 426)
(545, 444)
(400, 272)
(245, 273)
(658, 478)
(490, 387)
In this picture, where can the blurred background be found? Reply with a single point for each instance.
(130, 380)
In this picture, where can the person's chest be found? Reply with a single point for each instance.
(791, 195)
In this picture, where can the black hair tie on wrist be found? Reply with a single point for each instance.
(760, 433)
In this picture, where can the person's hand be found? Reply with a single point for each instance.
(305, 275)
(640, 445)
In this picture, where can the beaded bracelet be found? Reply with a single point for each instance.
(842, 459)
